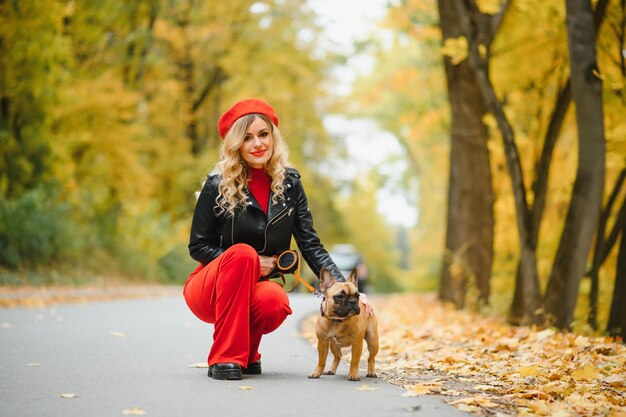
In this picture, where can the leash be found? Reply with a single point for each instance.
(298, 279)
(297, 276)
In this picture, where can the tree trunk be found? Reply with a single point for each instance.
(147, 45)
(127, 67)
(191, 115)
(186, 68)
(469, 234)
(584, 210)
(604, 245)
(617, 316)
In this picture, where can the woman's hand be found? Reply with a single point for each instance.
(267, 264)
(368, 307)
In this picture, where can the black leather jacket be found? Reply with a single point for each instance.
(213, 230)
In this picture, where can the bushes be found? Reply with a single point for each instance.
(176, 265)
(35, 230)
(47, 242)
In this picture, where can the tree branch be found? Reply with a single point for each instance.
(605, 246)
(496, 21)
(617, 227)
(154, 12)
(599, 13)
(540, 184)
(217, 76)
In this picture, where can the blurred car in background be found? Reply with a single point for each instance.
(346, 258)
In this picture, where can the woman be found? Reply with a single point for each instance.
(248, 209)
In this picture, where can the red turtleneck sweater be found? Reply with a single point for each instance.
(259, 185)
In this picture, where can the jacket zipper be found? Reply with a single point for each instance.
(279, 216)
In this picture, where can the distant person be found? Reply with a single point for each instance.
(246, 213)
(363, 274)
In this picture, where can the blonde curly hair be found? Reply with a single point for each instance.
(234, 169)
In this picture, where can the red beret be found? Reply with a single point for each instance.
(241, 108)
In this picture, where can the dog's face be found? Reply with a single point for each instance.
(342, 298)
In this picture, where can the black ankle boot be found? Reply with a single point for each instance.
(253, 368)
(231, 371)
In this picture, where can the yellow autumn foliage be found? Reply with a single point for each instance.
(456, 49)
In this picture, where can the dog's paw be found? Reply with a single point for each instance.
(315, 374)
(329, 372)
(354, 377)
(372, 375)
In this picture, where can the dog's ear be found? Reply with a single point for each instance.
(326, 280)
(354, 278)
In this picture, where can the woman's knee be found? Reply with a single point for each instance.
(271, 302)
(241, 251)
(242, 257)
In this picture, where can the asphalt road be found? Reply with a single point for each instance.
(123, 354)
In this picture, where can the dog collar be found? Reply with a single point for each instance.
(321, 296)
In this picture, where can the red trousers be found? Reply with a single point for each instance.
(227, 293)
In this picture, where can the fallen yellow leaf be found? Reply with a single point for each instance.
(419, 389)
(364, 387)
(534, 394)
(68, 395)
(483, 387)
(582, 342)
(556, 387)
(118, 334)
(615, 380)
(532, 370)
(586, 373)
(508, 343)
(545, 334)
(467, 408)
(246, 388)
(477, 401)
(135, 411)
(199, 365)
(539, 407)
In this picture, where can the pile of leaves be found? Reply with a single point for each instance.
(484, 366)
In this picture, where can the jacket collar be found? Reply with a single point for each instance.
(274, 208)
(251, 202)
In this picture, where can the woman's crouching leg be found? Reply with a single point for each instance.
(269, 308)
(237, 273)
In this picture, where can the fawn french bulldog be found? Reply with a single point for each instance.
(342, 323)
